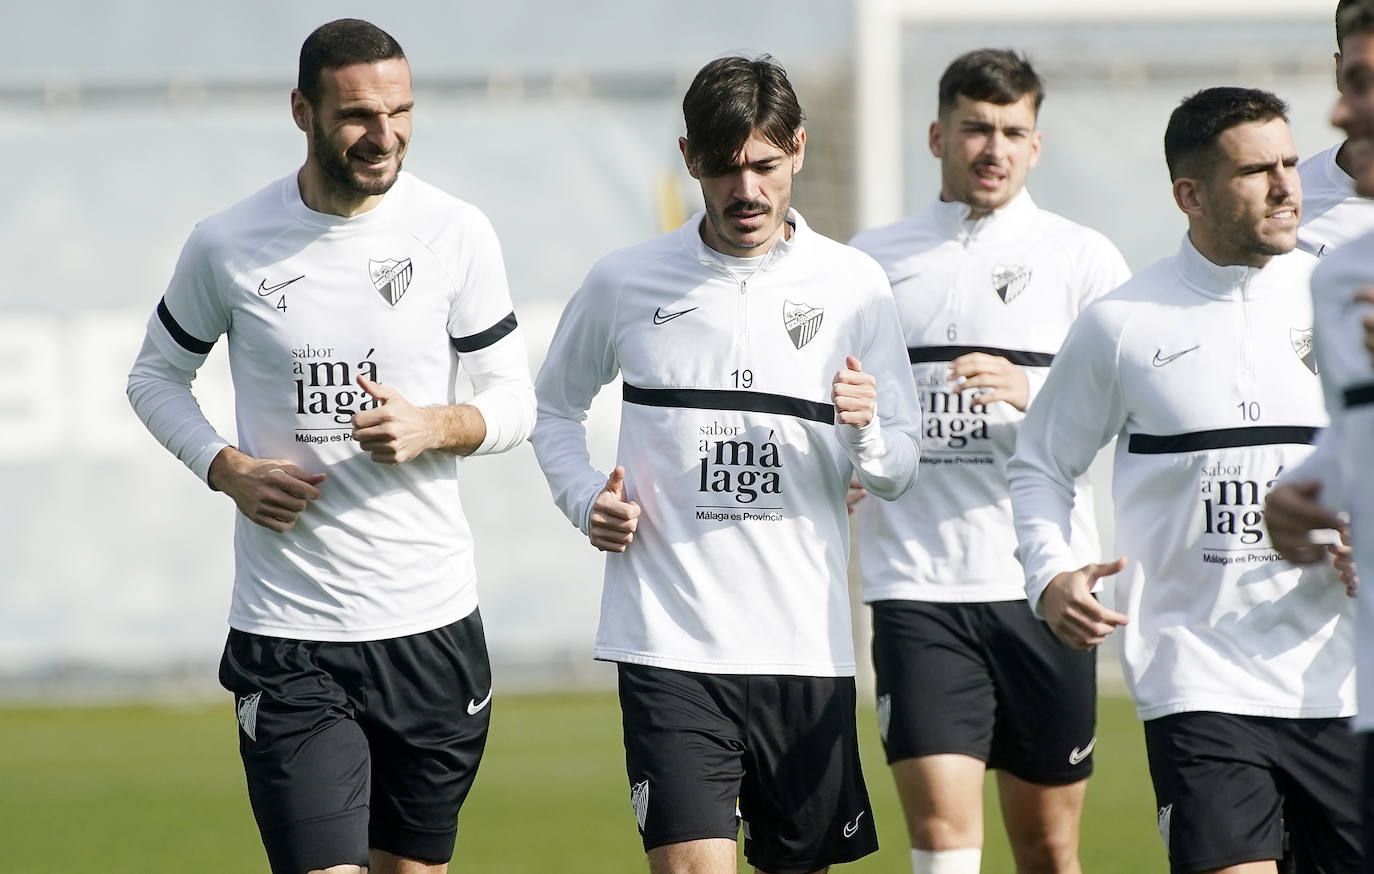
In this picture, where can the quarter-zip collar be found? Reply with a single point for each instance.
(953, 218)
(1220, 281)
(709, 257)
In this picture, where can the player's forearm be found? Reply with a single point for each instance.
(885, 459)
(1042, 507)
(459, 429)
(161, 396)
(560, 446)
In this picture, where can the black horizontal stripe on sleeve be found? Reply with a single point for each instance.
(483, 339)
(1221, 438)
(726, 399)
(184, 340)
(924, 354)
(1359, 395)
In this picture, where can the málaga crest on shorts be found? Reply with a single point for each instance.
(391, 278)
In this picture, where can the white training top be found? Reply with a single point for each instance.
(1332, 213)
(400, 294)
(1205, 375)
(729, 444)
(1009, 284)
(1341, 461)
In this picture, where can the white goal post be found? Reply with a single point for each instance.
(878, 28)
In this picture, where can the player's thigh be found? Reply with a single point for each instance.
(1322, 802)
(305, 758)
(1041, 821)
(935, 693)
(942, 798)
(803, 798)
(710, 856)
(1218, 801)
(684, 750)
(1046, 717)
(428, 709)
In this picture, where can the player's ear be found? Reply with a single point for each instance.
(1188, 195)
(799, 156)
(936, 140)
(300, 109)
(686, 157)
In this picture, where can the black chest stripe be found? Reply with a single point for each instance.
(924, 354)
(483, 339)
(725, 399)
(1221, 438)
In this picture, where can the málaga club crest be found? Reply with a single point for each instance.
(1301, 338)
(801, 321)
(1009, 280)
(390, 278)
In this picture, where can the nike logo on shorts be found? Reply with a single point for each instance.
(1161, 360)
(852, 828)
(475, 707)
(1077, 755)
(662, 318)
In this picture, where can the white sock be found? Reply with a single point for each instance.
(965, 861)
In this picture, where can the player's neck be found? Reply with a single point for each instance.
(322, 197)
(1343, 159)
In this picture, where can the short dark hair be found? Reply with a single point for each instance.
(730, 100)
(1196, 124)
(342, 43)
(1353, 16)
(998, 76)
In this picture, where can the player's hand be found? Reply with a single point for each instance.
(855, 394)
(1073, 614)
(1292, 513)
(855, 494)
(999, 379)
(396, 430)
(1366, 296)
(1343, 559)
(271, 492)
(613, 519)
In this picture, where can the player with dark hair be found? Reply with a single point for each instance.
(350, 292)
(762, 364)
(1333, 212)
(1337, 476)
(1201, 367)
(986, 284)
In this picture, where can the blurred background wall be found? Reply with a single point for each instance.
(124, 122)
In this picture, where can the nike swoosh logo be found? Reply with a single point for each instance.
(852, 828)
(264, 289)
(475, 707)
(1077, 755)
(1161, 360)
(660, 317)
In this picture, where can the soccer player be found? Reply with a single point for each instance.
(762, 363)
(351, 292)
(1338, 473)
(1201, 366)
(986, 284)
(1333, 212)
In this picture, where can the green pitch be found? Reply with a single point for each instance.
(159, 790)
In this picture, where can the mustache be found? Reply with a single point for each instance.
(739, 206)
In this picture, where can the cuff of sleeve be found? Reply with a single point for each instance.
(200, 462)
(861, 443)
(508, 419)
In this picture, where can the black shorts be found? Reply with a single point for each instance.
(1230, 788)
(1367, 805)
(780, 752)
(351, 746)
(987, 680)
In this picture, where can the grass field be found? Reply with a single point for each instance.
(154, 790)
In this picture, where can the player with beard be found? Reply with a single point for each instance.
(987, 284)
(762, 364)
(1241, 665)
(351, 292)
(1333, 212)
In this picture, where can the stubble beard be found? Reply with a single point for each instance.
(336, 172)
